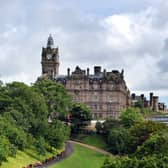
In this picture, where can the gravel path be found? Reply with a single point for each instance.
(91, 147)
(68, 152)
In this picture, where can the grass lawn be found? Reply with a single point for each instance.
(95, 140)
(24, 158)
(82, 158)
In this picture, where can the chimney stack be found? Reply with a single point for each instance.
(133, 96)
(142, 97)
(151, 99)
(104, 72)
(68, 72)
(87, 71)
(97, 70)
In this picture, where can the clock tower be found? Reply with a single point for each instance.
(50, 59)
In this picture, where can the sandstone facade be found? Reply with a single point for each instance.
(104, 92)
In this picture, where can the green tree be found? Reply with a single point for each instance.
(118, 140)
(156, 144)
(24, 117)
(57, 99)
(40, 145)
(57, 134)
(140, 132)
(110, 124)
(80, 117)
(131, 116)
(150, 162)
(99, 127)
(127, 162)
(4, 148)
(113, 162)
(15, 134)
(26, 106)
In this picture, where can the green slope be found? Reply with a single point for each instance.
(24, 158)
(82, 158)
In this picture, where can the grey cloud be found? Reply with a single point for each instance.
(163, 62)
(84, 38)
(159, 82)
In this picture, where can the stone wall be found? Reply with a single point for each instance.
(105, 93)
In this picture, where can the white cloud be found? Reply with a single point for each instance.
(138, 45)
(134, 39)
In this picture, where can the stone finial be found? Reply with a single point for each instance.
(104, 72)
(122, 73)
(50, 42)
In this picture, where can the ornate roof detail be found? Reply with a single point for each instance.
(50, 42)
(78, 70)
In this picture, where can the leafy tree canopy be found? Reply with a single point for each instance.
(80, 116)
(157, 144)
(24, 113)
(131, 116)
(118, 140)
(57, 99)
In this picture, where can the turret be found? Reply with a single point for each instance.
(50, 42)
(155, 103)
(50, 59)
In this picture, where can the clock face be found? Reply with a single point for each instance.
(49, 56)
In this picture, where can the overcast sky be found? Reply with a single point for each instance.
(123, 34)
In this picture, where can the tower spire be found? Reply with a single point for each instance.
(50, 59)
(50, 42)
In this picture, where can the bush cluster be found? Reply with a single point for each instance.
(138, 143)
